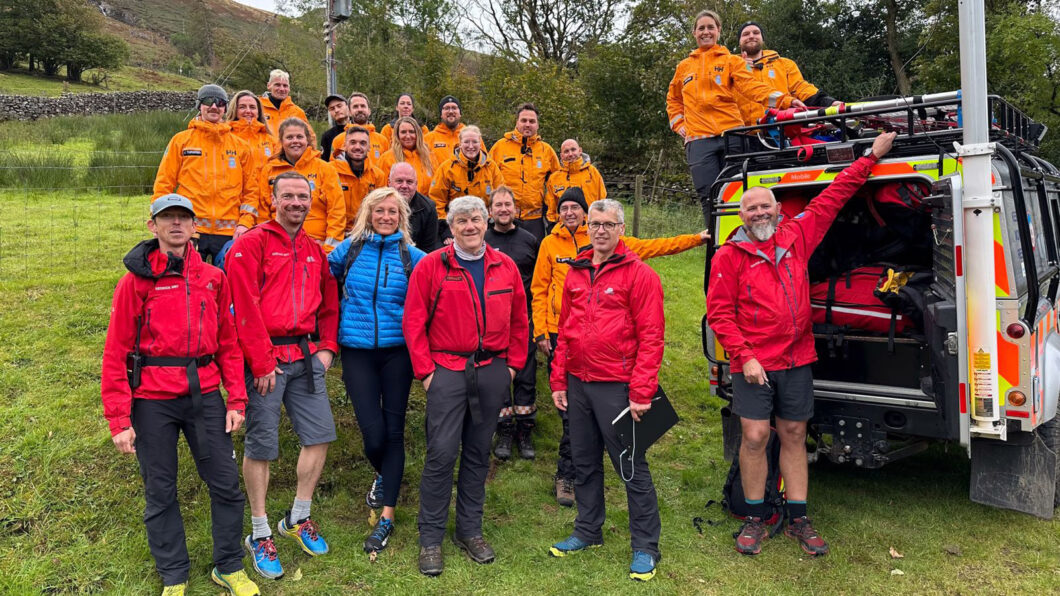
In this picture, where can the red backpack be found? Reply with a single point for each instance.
(850, 300)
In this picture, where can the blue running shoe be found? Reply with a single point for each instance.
(377, 540)
(306, 533)
(374, 499)
(263, 553)
(570, 546)
(643, 566)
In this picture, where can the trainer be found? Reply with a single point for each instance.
(284, 294)
(758, 305)
(466, 329)
(156, 385)
(607, 359)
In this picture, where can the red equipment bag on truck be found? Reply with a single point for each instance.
(850, 300)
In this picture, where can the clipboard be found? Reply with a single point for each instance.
(639, 436)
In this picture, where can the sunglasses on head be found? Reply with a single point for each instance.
(213, 101)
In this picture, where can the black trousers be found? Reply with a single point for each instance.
(523, 407)
(591, 407)
(564, 462)
(705, 158)
(450, 432)
(158, 424)
(210, 245)
(378, 383)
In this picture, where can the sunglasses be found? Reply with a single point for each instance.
(213, 101)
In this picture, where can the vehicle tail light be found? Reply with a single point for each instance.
(1017, 398)
(1016, 330)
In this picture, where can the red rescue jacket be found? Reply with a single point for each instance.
(185, 314)
(758, 297)
(442, 293)
(281, 289)
(611, 325)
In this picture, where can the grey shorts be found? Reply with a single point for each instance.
(310, 413)
(789, 395)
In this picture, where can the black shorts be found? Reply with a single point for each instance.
(789, 395)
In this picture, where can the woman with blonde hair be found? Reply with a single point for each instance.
(248, 123)
(408, 146)
(372, 267)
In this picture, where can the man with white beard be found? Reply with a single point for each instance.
(758, 305)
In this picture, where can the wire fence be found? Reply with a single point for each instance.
(67, 212)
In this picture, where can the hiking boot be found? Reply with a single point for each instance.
(565, 491)
(175, 589)
(306, 533)
(374, 498)
(431, 562)
(377, 540)
(503, 449)
(643, 566)
(237, 583)
(571, 545)
(752, 534)
(476, 548)
(801, 529)
(264, 557)
(525, 441)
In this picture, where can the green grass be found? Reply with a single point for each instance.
(70, 505)
(127, 78)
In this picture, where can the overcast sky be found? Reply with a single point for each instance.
(269, 5)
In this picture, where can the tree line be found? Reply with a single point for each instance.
(48, 35)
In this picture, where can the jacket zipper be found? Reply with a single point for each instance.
(375, 294)
(202, 315)
(791, 309)
(294, 300)
(148, 325)
(187, 306)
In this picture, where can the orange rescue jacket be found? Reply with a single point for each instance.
(525, 165)
(262, 144)
(560, 246)
(444, 142)
(701, 101)
(423, 178)
(287, 109)
(326, 220)
(579, 173)
(377, 144)
(779, 73)
(354, 187)
(213, 168)
(457, 178)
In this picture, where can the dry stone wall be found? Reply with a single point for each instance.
(24, 107)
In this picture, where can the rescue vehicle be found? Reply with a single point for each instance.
(979, 363)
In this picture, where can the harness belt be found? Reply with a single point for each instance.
(302, 341)
(191, 366)
(471, 377)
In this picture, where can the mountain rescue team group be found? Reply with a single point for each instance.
(412, 254)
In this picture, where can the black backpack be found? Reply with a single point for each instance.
(732, 498)
(355, 249)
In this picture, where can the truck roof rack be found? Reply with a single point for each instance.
(926, 124)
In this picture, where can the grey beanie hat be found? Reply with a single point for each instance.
(215, 91)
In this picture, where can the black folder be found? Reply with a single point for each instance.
(638, 436)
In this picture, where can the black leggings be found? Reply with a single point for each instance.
(378, 383)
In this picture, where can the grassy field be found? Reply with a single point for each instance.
(70, 505)
(128, 78)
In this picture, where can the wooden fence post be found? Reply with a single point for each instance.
(638, 196)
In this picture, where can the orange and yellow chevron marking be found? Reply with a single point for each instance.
(1002, 289)
(892, 169)
(1008, 366)
(733, 191)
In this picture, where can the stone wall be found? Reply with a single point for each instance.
(23, 107)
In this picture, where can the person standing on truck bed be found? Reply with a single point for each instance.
(702, 103)
(155, 384)
(758, 305)
(782, 74)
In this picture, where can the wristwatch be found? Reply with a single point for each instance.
(868, 153)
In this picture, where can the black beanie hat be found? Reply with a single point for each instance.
(573, 194)
(739, 31)
(445, 100)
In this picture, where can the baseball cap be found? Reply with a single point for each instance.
(169, 202)
(327, 100)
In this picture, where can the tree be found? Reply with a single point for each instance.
(95, 50)
(542, 30)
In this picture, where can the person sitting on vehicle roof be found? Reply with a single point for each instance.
(779, 73)
(761, 317)
(702, 105)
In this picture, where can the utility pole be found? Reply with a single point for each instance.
(335, 12)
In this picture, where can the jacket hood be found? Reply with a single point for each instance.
(582, 163)
(514, 135)
(208, 127)
(442, 127)
(743, 241)
(714, 50)
(561, 231)
(306, 158)
(767, 57)
(145, 260)
(243, 127)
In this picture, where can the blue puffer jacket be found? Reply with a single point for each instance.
(376, 285)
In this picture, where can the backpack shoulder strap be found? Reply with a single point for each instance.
(351, 256)
(406, 257)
